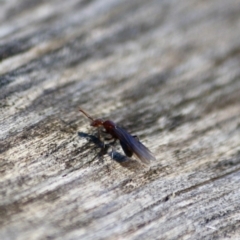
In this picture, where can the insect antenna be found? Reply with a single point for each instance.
(88, 116)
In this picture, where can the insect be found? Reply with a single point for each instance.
(130, 144)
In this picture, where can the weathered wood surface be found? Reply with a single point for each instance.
(169, 71)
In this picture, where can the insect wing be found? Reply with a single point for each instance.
(132, 145)
(126, 149)
(143, 153)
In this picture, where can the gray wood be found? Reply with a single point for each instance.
(168, 71)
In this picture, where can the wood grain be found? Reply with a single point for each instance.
(168, 71)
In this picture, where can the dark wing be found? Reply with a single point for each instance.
(126, 149)
(132, 146)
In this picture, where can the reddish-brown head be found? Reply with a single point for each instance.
(97, 123)
(94, 122)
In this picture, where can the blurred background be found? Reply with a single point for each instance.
(166, 70)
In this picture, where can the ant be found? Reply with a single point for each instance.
(130, 144)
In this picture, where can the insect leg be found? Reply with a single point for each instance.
(136, 137)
